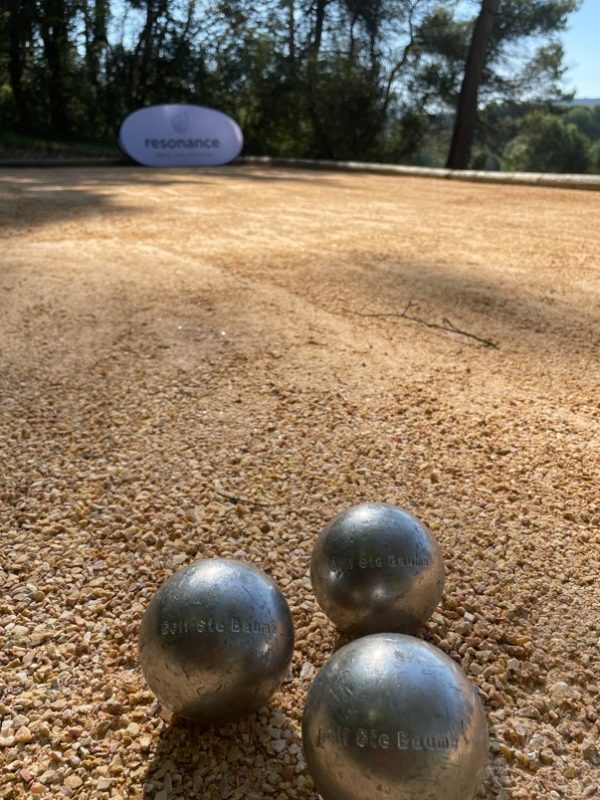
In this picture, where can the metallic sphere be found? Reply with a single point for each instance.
(390, 716)
(375, 568)
(216, 640)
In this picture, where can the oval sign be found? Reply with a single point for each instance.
(180, 135)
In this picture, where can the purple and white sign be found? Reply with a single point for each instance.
(180, 135)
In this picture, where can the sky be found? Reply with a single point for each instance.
(582, 50)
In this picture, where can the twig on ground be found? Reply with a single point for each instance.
(235, 499)
(453, 329)
(447, 326)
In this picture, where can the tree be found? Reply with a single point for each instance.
(466, 113)
(367, 79)
(548, 143)
(19, 34)
(55, 18)
(95, 16)
(586, 119)
(492, 66)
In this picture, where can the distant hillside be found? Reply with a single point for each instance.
(585, 101)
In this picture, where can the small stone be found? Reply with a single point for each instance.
(507, 752)
(133, 728)
(24, 735)
(546, 756)
(235, 753)
(38, 637)
(278, 745)
(114, 707)
(43, 730)
(101, 728)
(590, 753)
(103, 784)
(560, 691)
(307, 671)
(50, 776)
(73, 781)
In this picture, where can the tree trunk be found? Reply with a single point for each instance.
(53, 26)
(320, 19)
(291, 35)
(466, 113)
(143, 52)
(19, 32)
(95, 44)
(99, 36)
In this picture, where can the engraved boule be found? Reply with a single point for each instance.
(216, 640)
(390, 716)
(375, 568)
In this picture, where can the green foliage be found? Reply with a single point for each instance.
(586, 119)
(404, 139)
(343, 79)
(16, 144)
(441, 52)
(522, 18)
(548, 143)
(346, 108)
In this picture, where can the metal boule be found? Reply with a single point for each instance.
(216, 640)
(392, 717)
(376, 568)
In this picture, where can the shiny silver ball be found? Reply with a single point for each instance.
(376, 568)
(390, 716)
(216, 640)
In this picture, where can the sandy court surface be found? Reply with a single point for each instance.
(216, 363)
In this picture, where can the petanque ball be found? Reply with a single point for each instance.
(390, 717)
(216, 640)
(375, 568)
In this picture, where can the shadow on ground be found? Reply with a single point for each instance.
(30, 202)
(234, 760)
(459, 295)
(35, 197)
(530, 314)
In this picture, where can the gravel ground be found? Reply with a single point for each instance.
(217, 362)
